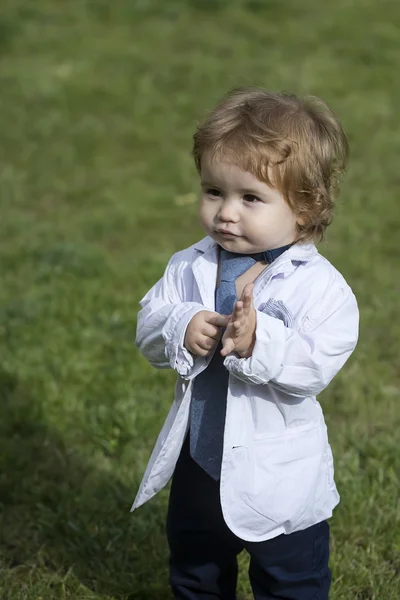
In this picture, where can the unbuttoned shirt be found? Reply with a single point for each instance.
(277, 468)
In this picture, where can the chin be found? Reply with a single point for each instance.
(233, 246)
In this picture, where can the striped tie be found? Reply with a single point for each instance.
(208, 408)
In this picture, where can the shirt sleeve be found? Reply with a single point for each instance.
(162, 324)
(302, 363)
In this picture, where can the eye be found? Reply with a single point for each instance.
(251, 199)
(213, 192)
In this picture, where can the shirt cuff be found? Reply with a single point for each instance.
(181, 360)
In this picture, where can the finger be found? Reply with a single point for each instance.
(247, 297)
(237, 311)
(211, 331)
(247, 291)
(237, 308)
(215, 338)
(217, 319)
(239, 305)
(228, 347)
(199, 351)
(207, 343)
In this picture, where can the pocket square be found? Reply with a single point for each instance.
(277, 309)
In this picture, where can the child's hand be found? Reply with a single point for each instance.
(240, 335)
(204, 331)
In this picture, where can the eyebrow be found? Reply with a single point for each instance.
(252, 192)
(243, 190)
(207, 184)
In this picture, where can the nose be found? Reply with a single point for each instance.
(228, 211)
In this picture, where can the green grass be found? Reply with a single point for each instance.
(98, 104)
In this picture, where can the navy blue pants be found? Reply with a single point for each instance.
(203, 551)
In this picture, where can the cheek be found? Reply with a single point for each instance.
(205, 213)
(286, 218)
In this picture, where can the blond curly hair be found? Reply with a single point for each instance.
(296, 145)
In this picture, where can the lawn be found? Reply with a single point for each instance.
(98, 104)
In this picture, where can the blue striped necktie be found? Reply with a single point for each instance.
(208, 408)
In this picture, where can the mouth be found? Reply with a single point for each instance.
(226, 233)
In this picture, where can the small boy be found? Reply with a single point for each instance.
(256, 323)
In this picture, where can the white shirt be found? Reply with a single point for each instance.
(277, 466)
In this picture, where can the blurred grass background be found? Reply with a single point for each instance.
(98, 104)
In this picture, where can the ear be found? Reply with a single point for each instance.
(301, 220)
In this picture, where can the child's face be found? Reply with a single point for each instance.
(240, 212)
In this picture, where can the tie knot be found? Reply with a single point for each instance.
(234, 265)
